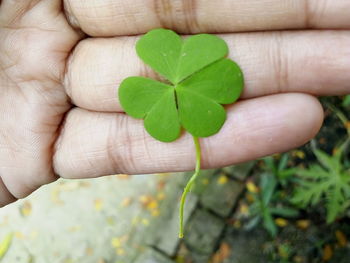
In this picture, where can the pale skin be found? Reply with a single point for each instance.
(59, 111)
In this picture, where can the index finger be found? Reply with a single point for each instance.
(120, 17)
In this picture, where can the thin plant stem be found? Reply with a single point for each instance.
(340, 115)
(190, 185)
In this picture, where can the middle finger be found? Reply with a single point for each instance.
(315, 62)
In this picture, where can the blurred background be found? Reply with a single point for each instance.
(290, 207)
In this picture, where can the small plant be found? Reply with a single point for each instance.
(279, 169)
(264, 208)
(346, 101)
(328, 181)
(198, 79)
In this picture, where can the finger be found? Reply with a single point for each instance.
(94, 144)
(120, 17)
(314, 62)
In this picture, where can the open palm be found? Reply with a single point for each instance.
(61, 65)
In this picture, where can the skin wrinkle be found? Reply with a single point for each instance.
(182, 19)
(144, 144)
(307, 14)
(11, 144)
(158, 12)
(315, 12)
(120, 158)
(114, 162)
(82, 144)
(22, 10)
(44, 93)
(205, 152)
(6, 52)
(61, 132)
(78, 145)
(54, 74)
(70, 17)
(31, 5)
(279, 61)
(130, 142)
(33, 28)
(71, 119)
(68, 79)
(191, 16)
(66, 75)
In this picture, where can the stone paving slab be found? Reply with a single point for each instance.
(246, 247)
(221, 194)
(203, 231)
(239, 171)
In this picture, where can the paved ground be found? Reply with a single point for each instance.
(122, 219)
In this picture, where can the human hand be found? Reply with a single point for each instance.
(60, 115)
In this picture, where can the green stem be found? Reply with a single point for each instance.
(340, 115)
(189, 185)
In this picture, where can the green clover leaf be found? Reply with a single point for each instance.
(200, 80)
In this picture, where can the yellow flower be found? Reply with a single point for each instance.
(145, 200)
(298, 259)
(155, 212)
(161, 196)
(250, 198)
(347, 125)
(244, 209)
(126, 202)
(222, 179)
(252, 187)
(145, 221)
(237, 224)
(281, 222)
(19, 235)
(116, 242)
(327, 253)
(26, 208)
(98, 204)
(122, 176)
(342, 240)
(303, 223)
(299, 154)
(152, 205)
(120, 251)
